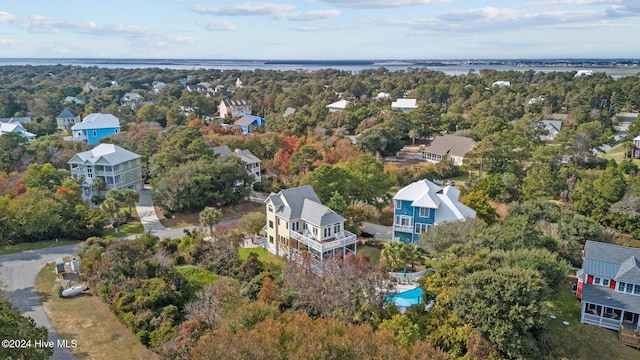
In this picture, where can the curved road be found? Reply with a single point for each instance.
(18, 275)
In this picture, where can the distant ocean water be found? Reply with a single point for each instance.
(613, 67)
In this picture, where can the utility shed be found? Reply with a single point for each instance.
(59, 266)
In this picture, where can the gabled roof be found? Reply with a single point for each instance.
(450, 144)
(17, 128)
(235, 102)
(303, 203)
(289, 111)
(245, 155)
(112, 154)
(611, 261)
(551, 125)
(20, 119)
(426, 194)
(404, 104)
(247, 120)
(338, 104)
(97, 121)
(67, 113)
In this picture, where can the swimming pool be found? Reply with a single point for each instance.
(407, 298)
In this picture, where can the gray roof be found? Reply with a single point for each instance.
(245, 155)
(609, 297)
(290, 111)
(303, 203)
(235, 102)
(21, 120)
(450, 144)
(97, 121)
(551, 124)
(318, 214)
(612, 261)
(67, 113)
(245, 121)
(113, 154)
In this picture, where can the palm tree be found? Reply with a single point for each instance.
(110, 208)
(97, 185)
(130, 197)
(392, 254)
(411, 253)
(209, 217)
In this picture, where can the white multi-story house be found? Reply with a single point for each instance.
(303, 229)
(119, 168)
(404, 105)
(234, 108)
(251, 162)
(67, 118)
(338, 106)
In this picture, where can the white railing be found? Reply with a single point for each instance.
(408, 276)
(346, 238)
(403, 228)
(608, 323)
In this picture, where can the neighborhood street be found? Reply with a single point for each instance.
(18, 274)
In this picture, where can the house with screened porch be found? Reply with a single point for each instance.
(609, 289)
(301, 228)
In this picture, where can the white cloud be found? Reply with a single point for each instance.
(7, 42)
(243, 9)
(374, 4)
(222, 25)
(311, 15)
(324, 27)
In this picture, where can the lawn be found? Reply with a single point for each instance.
(263, 255)
(617, 154)
(373, 253)
(134, 228)
(581, 341)
(86, 319)
(11, 249)
(235, 211)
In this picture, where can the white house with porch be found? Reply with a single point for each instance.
(609, 288)
(303, 229)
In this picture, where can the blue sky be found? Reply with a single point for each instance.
(320, 29)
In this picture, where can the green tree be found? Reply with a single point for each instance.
(209, 217)
(130, 197)
(110, 207)
(505, 304)
(392, 255)
(97, 186)
(44, 176)
(480, 203)
(14, 326)
(403, 329)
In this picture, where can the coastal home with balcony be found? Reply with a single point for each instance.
(609, 288)
(118, 168)
(251, 162)
(421, 205)
(248, 123)
(234, 108)
(94, 127)
(67, 118)
(300, 227)
(11, 126)
(450, 147)
(404, 105)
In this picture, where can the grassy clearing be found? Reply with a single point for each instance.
(373, 253)
(180, 220)
(135, 228)
(263, 255)
(11, 249)
(86, 319)
(617, 154)
(197, 276)
(580, 341)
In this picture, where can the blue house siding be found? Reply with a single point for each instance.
(409, 235)
(94, 135)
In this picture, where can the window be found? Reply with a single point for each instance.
(117, 179)
(109, 180)
(116, 167)
(295, 226)
(636, 290)
(286, 225)
(327, 232)
(271, 224)
(420, 228)
(629, 288)
(621, 286)
(271, 239)
(336, 228)
(95, 133)
(278, 221)
(605, 282)
(424, 212)
(315, 231)
(398, 204)
(403, 220)
(270, 208)
(89, 172)
(117, 131)
(596, 281)
(107, 168)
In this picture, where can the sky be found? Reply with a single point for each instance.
(320, 29)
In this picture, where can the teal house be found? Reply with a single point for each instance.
(422, 205)
(94, 127)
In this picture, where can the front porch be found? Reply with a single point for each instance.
(319, 251)
(627, 323)
(629, 335)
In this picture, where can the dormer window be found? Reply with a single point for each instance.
(629, 288)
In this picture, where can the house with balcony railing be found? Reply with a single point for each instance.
(301, 228)
(609, 289)
(421, 205)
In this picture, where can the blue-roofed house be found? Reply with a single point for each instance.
(247, 123)
(298, 224)
(119, 168)
(94, 127)
(421, 205)
(609, 288)
(67, 118)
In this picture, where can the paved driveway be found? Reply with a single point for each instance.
(380, 232)
(18, 275)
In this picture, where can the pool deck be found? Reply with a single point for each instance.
(400, 288)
